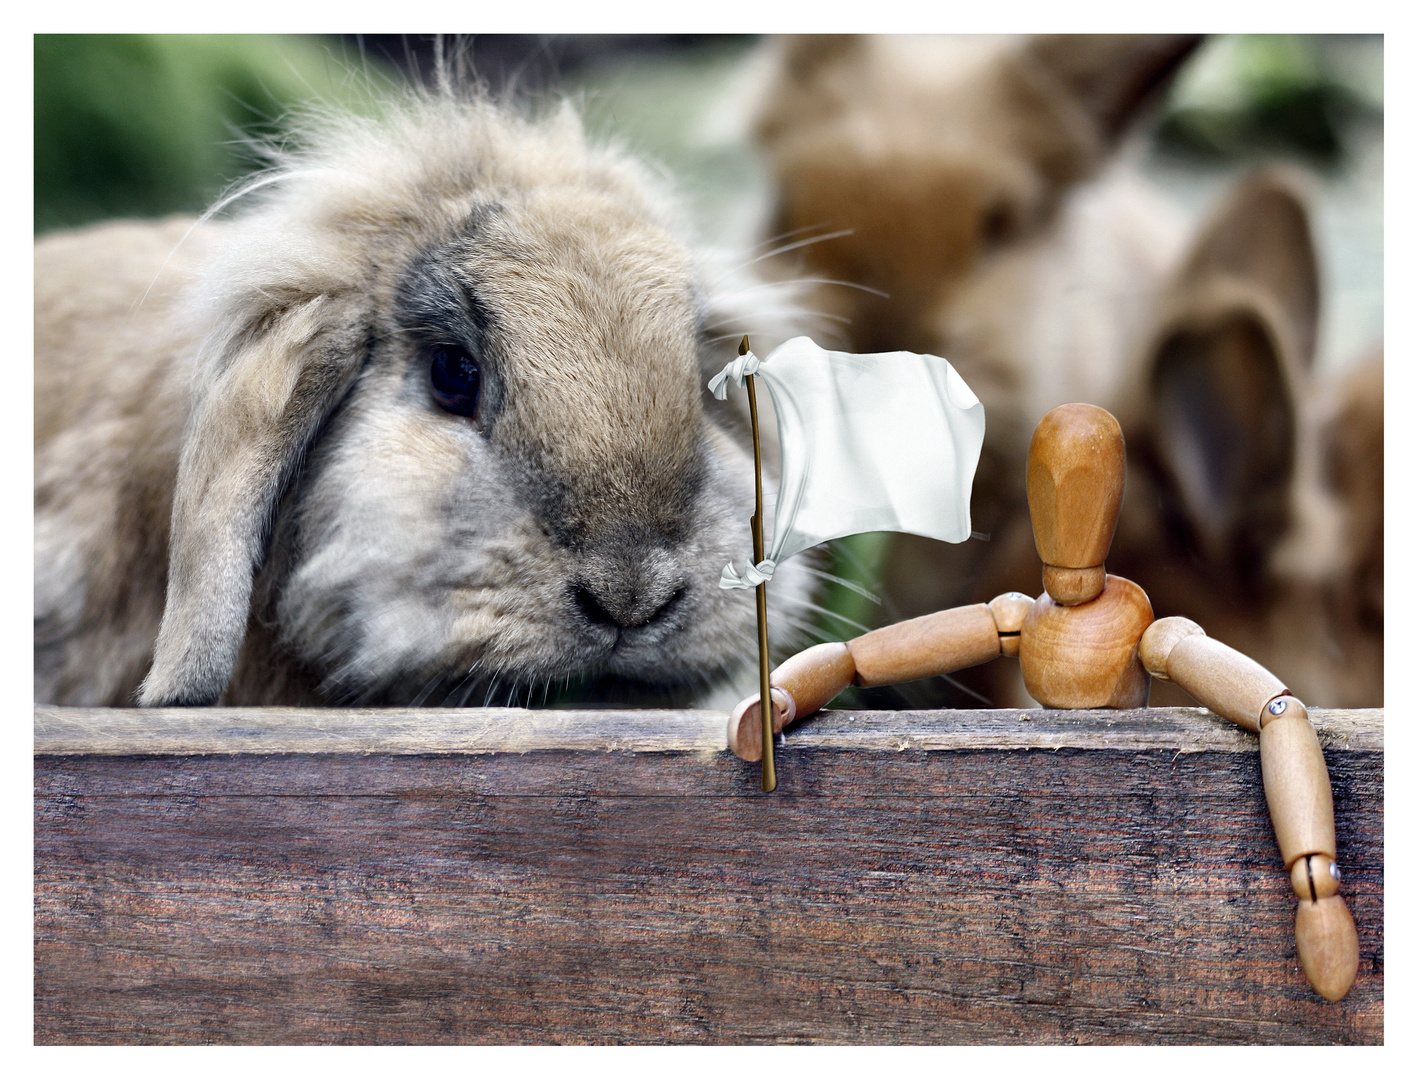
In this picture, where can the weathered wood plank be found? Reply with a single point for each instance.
(1111, 892)
(423, 731)
(366, 731)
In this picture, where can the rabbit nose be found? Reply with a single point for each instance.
(627, 601)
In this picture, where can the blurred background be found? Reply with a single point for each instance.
(142, 125)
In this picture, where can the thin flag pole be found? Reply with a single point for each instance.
(765, 698)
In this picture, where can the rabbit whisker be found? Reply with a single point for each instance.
(846, 583)
(792, 283)
(783, 250)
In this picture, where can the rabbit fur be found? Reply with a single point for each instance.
(245, 492)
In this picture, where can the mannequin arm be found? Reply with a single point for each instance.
(1297, 788)
(934, 644)
(800, 686)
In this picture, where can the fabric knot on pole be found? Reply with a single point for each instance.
(738, 369)
(751, 578)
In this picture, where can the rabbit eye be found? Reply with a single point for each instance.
(455, 378)
(997, 226)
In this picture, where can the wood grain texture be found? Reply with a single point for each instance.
(1074, 482)
(801, 685)
(1070, 585)
(1085, 656)
(1296, 785)
(930, 645)
(923, 878)
(814, 677)
(1228, 682)
(62, 730)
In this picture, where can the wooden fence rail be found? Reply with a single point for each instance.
(504, 876)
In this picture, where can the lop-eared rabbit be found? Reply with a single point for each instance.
(982, 197)
(422, 421)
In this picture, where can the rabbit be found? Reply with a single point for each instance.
(417, 415)
(980, 195)
(968, 200)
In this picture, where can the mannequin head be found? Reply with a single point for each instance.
(1075, 484)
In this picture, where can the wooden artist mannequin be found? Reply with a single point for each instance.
(1090, 642)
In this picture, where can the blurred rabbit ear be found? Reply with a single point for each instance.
(805, 56)
(1352, 452)
(813, 77)
(1260, 237)
(1228, 364)
(267, 390)
(1112, 76)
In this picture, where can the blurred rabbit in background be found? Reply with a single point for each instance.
(975, 198)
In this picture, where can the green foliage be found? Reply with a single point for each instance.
(1252, 94)
(149, 124)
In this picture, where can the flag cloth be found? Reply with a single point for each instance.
(873, 442)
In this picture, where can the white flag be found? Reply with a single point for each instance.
(876, 442)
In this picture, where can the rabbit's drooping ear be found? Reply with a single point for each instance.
(266, 393)
(1219, 401)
